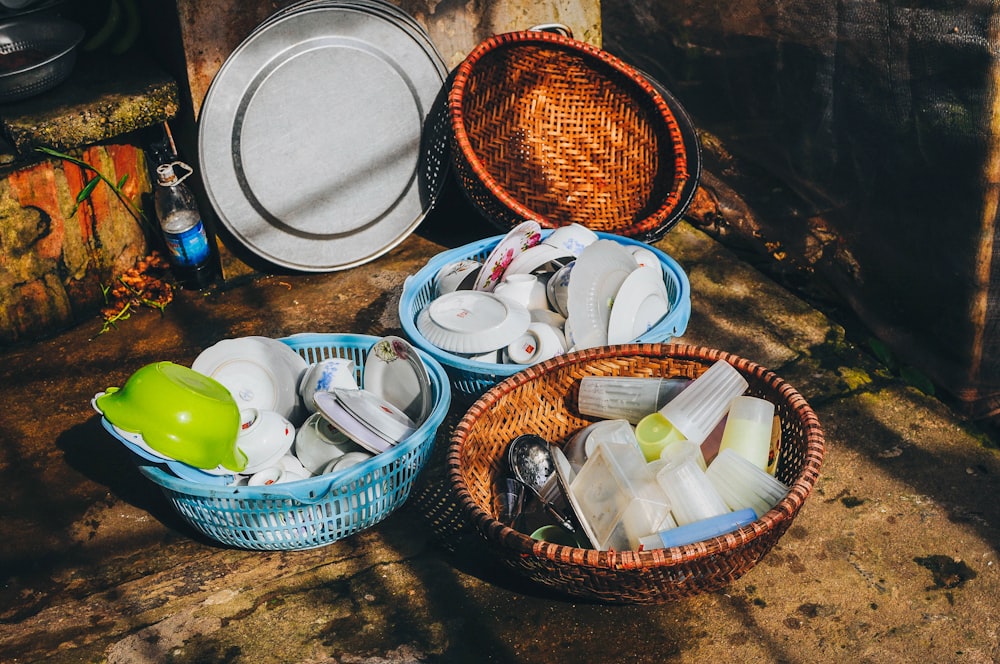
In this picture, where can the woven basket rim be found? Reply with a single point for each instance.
(456, 95)
(522, 544)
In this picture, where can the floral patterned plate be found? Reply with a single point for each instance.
(521, 238)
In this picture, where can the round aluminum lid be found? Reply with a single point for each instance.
(310, 137)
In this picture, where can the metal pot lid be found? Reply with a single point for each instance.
(310, 136)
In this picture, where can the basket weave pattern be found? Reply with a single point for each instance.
(541, 400)
(549, 128)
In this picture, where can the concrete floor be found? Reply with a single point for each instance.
(893, 558)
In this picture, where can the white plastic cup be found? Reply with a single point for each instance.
(742, 484)
(626, 397)
(694, 413)
(692, 496)
(581, 446)
(539, 342)
(748, 429)
(703, 403)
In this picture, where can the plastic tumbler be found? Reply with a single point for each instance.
(692, 496)
(742, 484)
(694, 413)
(626, 397)
(748, 429)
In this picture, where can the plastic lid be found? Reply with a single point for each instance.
(702, 404)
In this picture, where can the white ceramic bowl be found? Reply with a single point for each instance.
(265, 436)
(317, 442)
(525, 289)
(325, 374)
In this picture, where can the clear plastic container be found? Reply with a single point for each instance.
(628, 398)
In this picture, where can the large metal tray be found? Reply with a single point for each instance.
(310, 135)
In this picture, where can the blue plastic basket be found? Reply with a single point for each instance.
(310, 513)
(471, 378)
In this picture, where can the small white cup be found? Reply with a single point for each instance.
(265, 436)
(346, 461)
(539, 342)
(571, 238)
(460, 275)
(644, 257)
(291, 464)
(324, 375)
(317, 443)
(525, 289)
(548, 317)
(490, 357)
(273, 475)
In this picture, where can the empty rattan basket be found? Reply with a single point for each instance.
(541, 400)
(549, 128)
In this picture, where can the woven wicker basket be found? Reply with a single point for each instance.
(549, 128)
(541, 400)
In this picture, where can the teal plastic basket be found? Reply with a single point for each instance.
(471, 378)
(313, 512)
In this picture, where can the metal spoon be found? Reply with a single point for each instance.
(530, 460)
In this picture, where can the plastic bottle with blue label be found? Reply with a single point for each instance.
(183, 229)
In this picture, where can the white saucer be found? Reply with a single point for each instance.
(639, 304)
(339, 417)
(380, 416)
(472, 322)
(536, 257)
(258, 373)
(521, 238)
(600, 270)
(394, 371)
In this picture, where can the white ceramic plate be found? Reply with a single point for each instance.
(472, 322)
(394, 371)
(520, 238)
(639, 304)
(340, 417)
(256, 372)
(597, 276)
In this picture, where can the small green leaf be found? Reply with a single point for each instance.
(121, 183)
(882, 353)
(917, 379)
